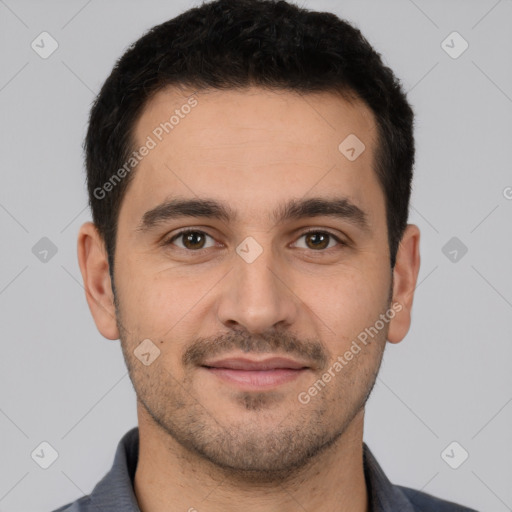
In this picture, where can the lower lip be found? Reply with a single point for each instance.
(257, 379)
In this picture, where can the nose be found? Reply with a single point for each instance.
(257, 295)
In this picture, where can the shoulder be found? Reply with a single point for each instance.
(424, 502)
(80, 505)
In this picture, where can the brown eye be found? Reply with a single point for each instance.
(319, 240)
(191, 240)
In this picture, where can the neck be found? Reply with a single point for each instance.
(168, 474)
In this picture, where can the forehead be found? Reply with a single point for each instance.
(254, 115)
(253, 146)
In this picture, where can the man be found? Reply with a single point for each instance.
(249, 166)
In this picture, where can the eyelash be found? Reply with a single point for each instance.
(200, 251)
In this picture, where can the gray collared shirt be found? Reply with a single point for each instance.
(114, 492)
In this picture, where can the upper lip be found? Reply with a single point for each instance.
(243, 363)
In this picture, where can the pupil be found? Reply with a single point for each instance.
(322, 242)
(191, 239)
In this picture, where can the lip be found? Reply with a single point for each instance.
(252, 374)
(247, 364)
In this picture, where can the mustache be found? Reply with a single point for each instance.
(283, 343)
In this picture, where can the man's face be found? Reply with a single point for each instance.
(220, 302)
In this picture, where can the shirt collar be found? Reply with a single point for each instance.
(383, 495)
(114, 492)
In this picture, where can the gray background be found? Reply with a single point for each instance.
(449, 380)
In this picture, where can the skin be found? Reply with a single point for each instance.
(206, 444)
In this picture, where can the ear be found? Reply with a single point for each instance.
(405, 275)
(93, 261)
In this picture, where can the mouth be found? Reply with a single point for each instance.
(253, 374)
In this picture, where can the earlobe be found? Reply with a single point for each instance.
(93, 261)
(405, 276)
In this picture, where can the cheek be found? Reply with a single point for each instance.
(145, 285)
(347, 301)
(165, 305)
(149, 303)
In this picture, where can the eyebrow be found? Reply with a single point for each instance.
(295, 209)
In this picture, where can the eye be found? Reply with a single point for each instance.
(319, 240)
(196, 240)
(192, 240)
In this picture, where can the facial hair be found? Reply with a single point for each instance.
(254, 447)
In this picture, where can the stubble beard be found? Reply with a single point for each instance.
(252, 450)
